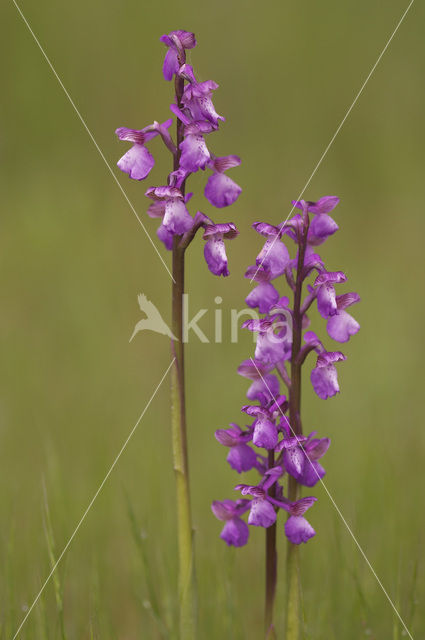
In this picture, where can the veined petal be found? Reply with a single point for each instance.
(241, 458)
(221, 191)
(265, 433)
(215, 256)
(235, 532)
(262, 513)
(298, 529)
(137, 162)
(342, 326)
(177, 219)
(195, 154)
(264, 296)
(325, 381)
(326, 300)
(274, 256)
(165, 236)
(321, 227)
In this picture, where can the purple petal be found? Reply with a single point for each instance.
(177, 218)
(225, 229)
(241, 458)
(228, 437)
(299, 507)
(321, 227)
(294, 460)
(165, 236)
(195, 154)
(263, 296)
(325, 381)
(298, 530)
(131, 135)
(215, 256)
(342, 326)
(137, 162)
(262, 513)
(330, 276)
(171, 65)
(271, 348)
(265, 434)
(312, 473)
(274, 256)
(329, 357)
(223, 509)
(226, 162)
(317, 448)
(324, 205)
(326, 300)
(235, 532)
(221, 191)
(346, 300)
(253, 370)
(267, 387)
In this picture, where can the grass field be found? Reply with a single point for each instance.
(73, 259)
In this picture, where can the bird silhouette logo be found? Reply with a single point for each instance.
(153, 321)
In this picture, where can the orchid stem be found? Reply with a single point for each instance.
(186, 588)
(271, 566)
(293, 585)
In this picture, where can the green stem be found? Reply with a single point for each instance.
(293, 603)
(179, 440)
(271, 566)
(186, 589)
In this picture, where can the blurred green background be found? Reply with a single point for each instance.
(73, 259)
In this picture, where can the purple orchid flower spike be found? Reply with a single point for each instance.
(195, 119)
(290, 460)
